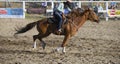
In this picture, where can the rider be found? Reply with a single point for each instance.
(68, 6)
(96, 9)
(57, 13)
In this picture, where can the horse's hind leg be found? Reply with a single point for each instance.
(43, 43)
(34, 39)
(41, 36)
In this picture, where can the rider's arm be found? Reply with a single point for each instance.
(61, 7)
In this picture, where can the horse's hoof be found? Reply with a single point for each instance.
(43, 45)
(33, 48)
(58, 49)
(63, 51)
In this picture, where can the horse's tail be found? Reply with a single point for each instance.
(26, 28)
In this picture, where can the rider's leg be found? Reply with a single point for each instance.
(59, 18)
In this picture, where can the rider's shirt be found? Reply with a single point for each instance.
(60, 7)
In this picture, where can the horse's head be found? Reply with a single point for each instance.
(92, 16)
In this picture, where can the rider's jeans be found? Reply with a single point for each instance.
(57, 15)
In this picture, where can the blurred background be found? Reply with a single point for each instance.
(44, 8)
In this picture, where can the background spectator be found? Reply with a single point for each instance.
(68, 6)
(113, 5)
(96, 9)
(100, 6)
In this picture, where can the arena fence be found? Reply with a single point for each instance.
(26, 10)
(11, 11)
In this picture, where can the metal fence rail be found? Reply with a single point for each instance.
(80, 3)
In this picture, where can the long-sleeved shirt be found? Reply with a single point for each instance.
(59, 7)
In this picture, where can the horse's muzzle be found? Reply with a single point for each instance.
(97, 21)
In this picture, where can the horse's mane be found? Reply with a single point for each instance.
(76, 12)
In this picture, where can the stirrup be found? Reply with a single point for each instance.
(60, 30)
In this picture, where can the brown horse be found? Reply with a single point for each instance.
(75, 20)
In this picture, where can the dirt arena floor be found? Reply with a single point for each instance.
(93, 44)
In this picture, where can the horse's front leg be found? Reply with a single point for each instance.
(66, 38)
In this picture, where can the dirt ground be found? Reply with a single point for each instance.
(93, 44)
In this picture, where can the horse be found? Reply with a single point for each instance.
(75, 20)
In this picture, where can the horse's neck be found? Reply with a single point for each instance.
(81, 20)
(78, 19)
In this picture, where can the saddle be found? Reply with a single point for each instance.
(52, 20)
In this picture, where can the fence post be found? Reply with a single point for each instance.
(52, 4)
(79, 4)
(107, 11)
(24, 10)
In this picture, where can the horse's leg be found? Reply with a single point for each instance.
(43, 43)
(41, 36)
(34, 40)
(66, 38)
